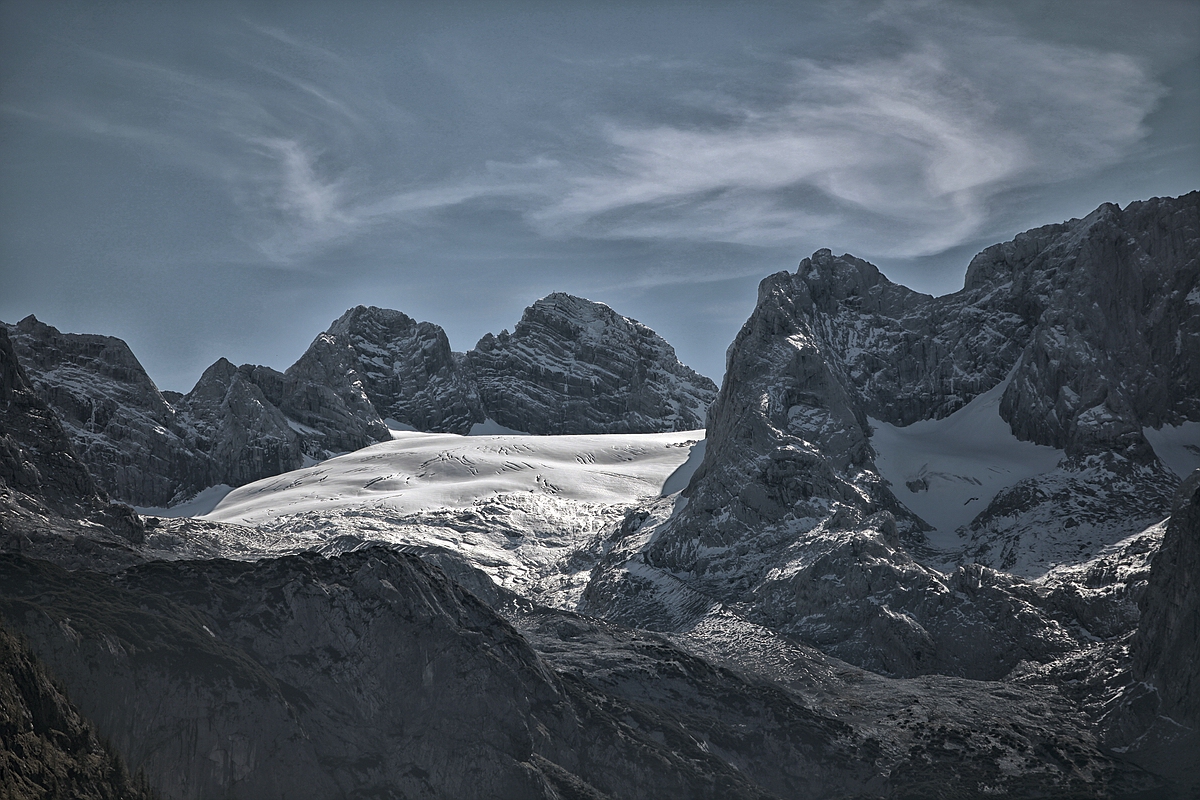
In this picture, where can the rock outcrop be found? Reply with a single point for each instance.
(574, 366)
(118, 422)
(371, 674)
(1167, 647)
(1088, 329)
(364, 674)
(49, 505)
(229, 420)
(1155, 720)
(47, 749)
(407, 370)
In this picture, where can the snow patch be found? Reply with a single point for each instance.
(1177, 446)
(489, 427)
(395, 426)
(681, 477)
(946, 471)
(199, 504)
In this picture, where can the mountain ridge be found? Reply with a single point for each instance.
(370, 369)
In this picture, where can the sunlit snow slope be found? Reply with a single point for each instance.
(531, 511)
(1178, 446)
(435, 471)
(948, 470)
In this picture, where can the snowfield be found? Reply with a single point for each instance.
(418, 472)
(947, 470)
(533, 512)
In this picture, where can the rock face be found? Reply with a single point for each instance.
(49, 505)
(371, 674)
(1167, 647)
(139, 445)
(1156, 718)
(407, 369)
(1088, 329)
(573, 366)
(47, 749)
(228, 419)
(118, 422)
(359, 675)
(36, 457)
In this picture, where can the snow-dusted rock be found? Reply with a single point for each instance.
(1074, 337)
(572, 366)
(50, 507)
(408, 371)
(228, 418)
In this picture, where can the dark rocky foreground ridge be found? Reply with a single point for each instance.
(784, 629)
(570, 366)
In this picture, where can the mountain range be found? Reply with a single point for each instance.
(923, 547)
(569, 366)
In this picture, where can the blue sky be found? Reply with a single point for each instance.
(224, 179)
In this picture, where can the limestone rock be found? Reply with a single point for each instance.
(228, 419)
(47, 749)
(574, 366)
(118, 422)
(789, 519)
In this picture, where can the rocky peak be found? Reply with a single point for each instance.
(214, 382)
(575, 366)
(789, 515)
(407, 368)
(48, 501)
(572, 366)
(118, 422)
(36, 457)
(244, 436)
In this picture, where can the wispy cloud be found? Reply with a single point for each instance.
(897, 155)
(900, 155)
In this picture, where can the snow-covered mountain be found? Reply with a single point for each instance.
(1011, 412)
(925, 547)
(571, 366)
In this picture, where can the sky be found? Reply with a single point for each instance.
(210, 179)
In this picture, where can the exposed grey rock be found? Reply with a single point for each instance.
(228, 418)
(771, 705)
(600, 372)
(365, 674)
(49, 505)
(1167, 647)
(1155, 720)
(408, 370)
(140, 446)
(36, 458)
(788, 518)
(122, 428)
(371, 674)
(46, 748)
(1102, 594)
(574, 366)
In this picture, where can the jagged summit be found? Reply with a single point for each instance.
(1022, 403)
(967, 488)
(576, 366)
(570, 366)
